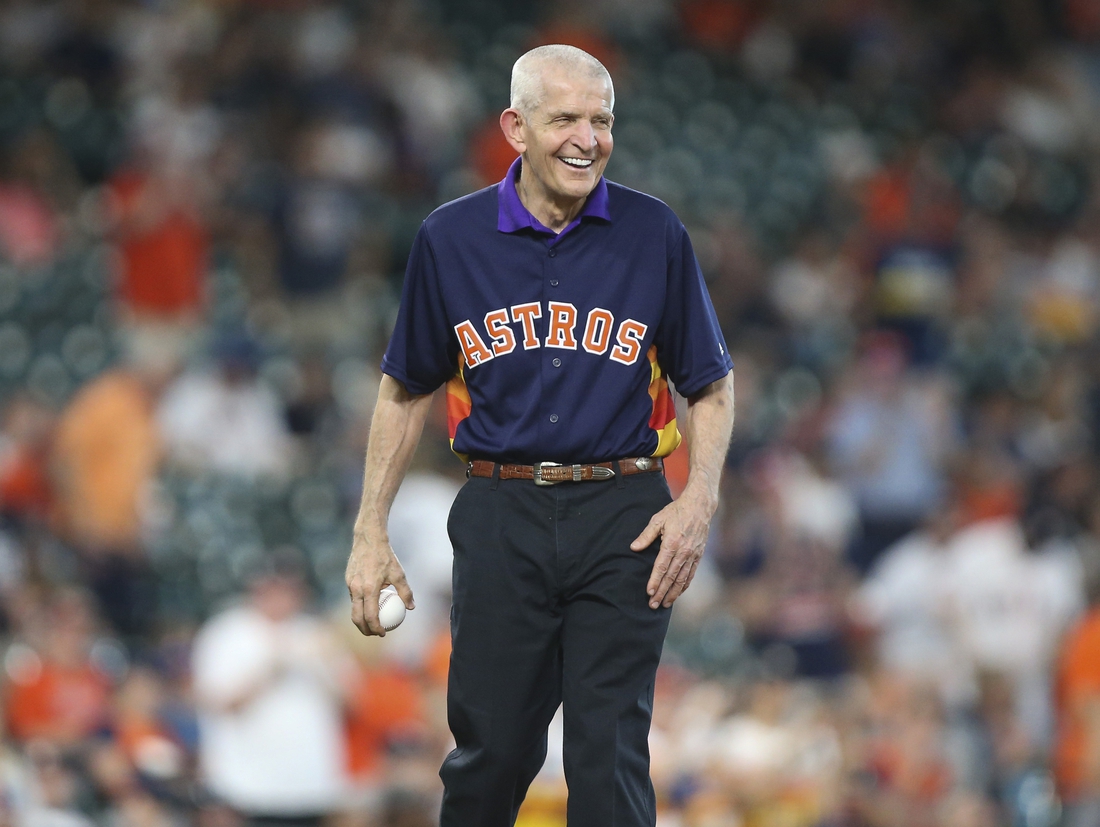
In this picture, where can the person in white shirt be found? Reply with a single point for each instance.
(1008, 607)
(904, 599)
(267, 680)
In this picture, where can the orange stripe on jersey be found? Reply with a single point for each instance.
(663, 418)
(459, 404)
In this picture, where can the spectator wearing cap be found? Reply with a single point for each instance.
(223, 419)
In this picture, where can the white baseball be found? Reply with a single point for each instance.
(391, 610)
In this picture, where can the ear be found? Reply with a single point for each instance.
(511, 124)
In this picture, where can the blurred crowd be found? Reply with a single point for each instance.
(205, 210)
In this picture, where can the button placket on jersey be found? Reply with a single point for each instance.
(555, 361)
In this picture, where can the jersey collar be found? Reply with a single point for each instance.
(512, 216)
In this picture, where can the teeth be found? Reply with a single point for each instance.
(578, 162)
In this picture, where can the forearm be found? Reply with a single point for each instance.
(395, 431)
(708, 427)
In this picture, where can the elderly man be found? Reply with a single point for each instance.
(554, 306)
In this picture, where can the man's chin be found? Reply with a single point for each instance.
(579, 189)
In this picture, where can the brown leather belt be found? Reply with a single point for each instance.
(551, 473)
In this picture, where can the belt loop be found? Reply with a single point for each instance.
(617, 467)
(495, 481)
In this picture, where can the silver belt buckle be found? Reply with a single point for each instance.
(536, 472)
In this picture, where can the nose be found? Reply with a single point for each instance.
(584, 136)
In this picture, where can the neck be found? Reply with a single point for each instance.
(553, 214)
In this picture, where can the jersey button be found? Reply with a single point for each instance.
(556, 362)
(553, 252)
(553, 282)
(553, 417)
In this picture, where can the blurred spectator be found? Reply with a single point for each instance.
(105, 453)
(55, 692)
(1053, 434)
(803, 590)
(1007, 614)
(311, 410)
(903, 762)
(318, 228)
(54, 787)
(317, 218)
(1062, 301)
(140, 809)
(387, 714)
(774, 759)
(268, 679)
(490, 155)
(141, 733)
(37, 181)
(436, 98)
(585, 25)
(717, 26)
(888, 441)
(26, 433)
(811, 504)
(223, 418)
(904, 600)
(1077, 697)
(29, 232)
(159, 221)
(815, 291)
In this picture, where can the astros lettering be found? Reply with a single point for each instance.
(562, 322)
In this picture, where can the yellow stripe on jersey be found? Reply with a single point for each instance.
(663, 419)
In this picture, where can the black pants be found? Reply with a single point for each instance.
(550, 608)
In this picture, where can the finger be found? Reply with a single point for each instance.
(651, 532)
(675, 567)
(691, 574)
(357, 616)
(364, 606)
(404, 591)
(370, 612)
(657, 575)
(680, 584)
(661, 581)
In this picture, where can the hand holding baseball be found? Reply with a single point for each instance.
(391, 610)
(370, 565)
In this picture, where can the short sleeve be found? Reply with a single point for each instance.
(423, 352)
(690, 346)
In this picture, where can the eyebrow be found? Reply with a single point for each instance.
(569, 113)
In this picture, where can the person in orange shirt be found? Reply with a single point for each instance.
(386, 707)
(106, 453)
(54, 692)
(1077, 700)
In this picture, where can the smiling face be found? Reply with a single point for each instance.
(565, 142)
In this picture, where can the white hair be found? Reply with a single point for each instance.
(528, 90)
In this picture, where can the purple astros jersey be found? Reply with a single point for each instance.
(556, 348)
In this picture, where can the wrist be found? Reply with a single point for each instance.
(703, 494)
(370, 533)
